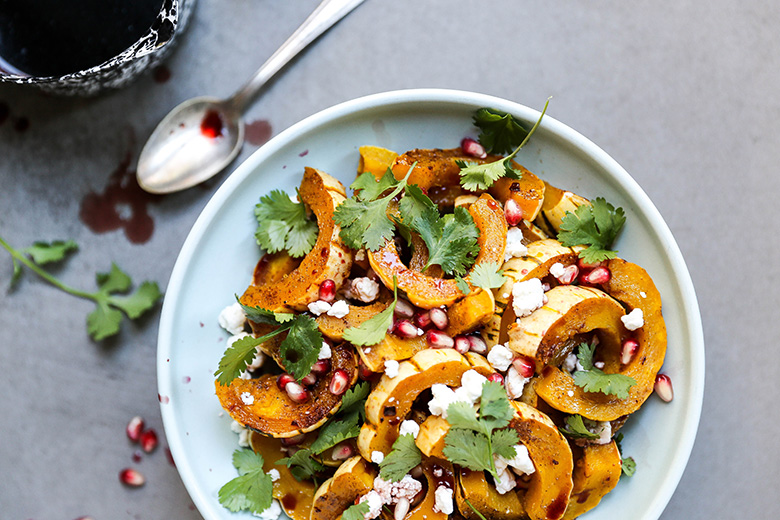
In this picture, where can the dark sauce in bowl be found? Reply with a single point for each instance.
(57, 37)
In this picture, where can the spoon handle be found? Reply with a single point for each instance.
(324, 16)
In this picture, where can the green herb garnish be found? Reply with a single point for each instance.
(403, 456)
(593, 379)
(282, 225)
(252, 489)
(595, 225)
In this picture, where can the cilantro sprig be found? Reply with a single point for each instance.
(593, 379)
(595, 225)
(628, 464)
(487, 276)
(500, 133)
(347, 422)
(474, 438)
(403, 456)
(283, 225)
(575, 428)
(373, 330)
(356, 511)
(303, 465)
(299, 350)
(252, 489)
(113, 298)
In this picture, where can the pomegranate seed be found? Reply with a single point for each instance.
(134, 428)
(401, 508)
(585, 266)
(293, 441)
(472, 148)
(570, 273)
(663, 387)
(321, 367)
(477, 344)
(283, 379)
(309, 379)
(438, 339)
(342, 452)
(364, 372)
(403, 309)
(149, 440)
(339, 383)
(513, 213)
(439, 318)
(131, 477)
(524, 365)
(296, 392)
(328, 291)
(496, 378)
(405, 329)
(423, 319)
(628, 351)
(462, 344)
(596, 276)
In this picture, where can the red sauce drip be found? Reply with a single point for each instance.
(161, 74)
(289, 502)
(211, 126)
(258, 132)
(122, 205)
(5, 111)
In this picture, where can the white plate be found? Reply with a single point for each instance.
(218, 257)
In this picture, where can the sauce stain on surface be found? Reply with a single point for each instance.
(258, 132)
(161, 74)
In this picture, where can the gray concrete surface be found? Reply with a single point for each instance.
(685, 95)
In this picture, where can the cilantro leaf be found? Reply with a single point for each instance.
(373, 330)
(404, 456)
(47, 252)
(355, 398)
(494, 407)
(258, 314)
(595, 225)
(135, 304)
(487, 276)
(575, 429)
(593, 379)
(368, 187)
(103, 321)
(469, 449)
(500, 132)
(252, 490)
(628, 464)
(356, 511)
(336, 431)
(301, 348)
(480, 176)
(462, 284)
(451, 240)
(504, 442)
(302, 465)
(237, 357)
(283, 225)
(463, 415)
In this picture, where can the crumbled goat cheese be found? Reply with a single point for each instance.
(339, 309)
(409, 426)
(392, 492)
(257, 362)
(391, 368)
(325, 352)
(243, 433)
(557, 270)
(514, 383)
(527, 296)
(274, 474)
(572, 363)
(443, 397)
(232, 318)
(273, 512)
(364, 289)
(520, 463)
(247, 398)
(570, 393)
(443, 500)
(634, 319)
(599, 364)
(377, 457)
(643, 294)
(374, 504)
(506, 482)
(500, 357)
(360, 255)
(514, 244)
(319, 307)
(602, 429)
(472, 381)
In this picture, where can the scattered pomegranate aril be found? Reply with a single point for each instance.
(438, 339)
(496, 378)
(472, 148)
(321, 367)
(570, 274)
(149, 440)
(462, 344)
(365, 373)
(405, 329)
(403, 309)
(309, 379)
(327, 291)
(342, 452)
(524, 365)
(513, 213)
(585, 265)
(283, 379)
(423, 319)
(596, 276)
(663, 387)
(134, 428)
(439, 318)
(628, 350)
(339, 383)
(478, 345)
(292, 441)
(296, 392)
(131, 477)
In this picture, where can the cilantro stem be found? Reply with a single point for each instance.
(43, 274)
(474, 509)
(530, 132)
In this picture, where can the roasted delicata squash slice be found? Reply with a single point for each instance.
(596, 473)
(551, 483)
(328, 259)
(428, 291)
(470, 313)
(376, 160)
(633, 287)
(391, 400)
(542, 254)
(294, 495)
(435, 167)
(430, 439)
(353, 479)
(556, 204)
(259, 404)
(425, 510)
(527, 192)
(482, 496)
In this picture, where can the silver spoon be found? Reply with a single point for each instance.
(198, 138)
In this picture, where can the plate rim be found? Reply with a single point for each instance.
(452, 97)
